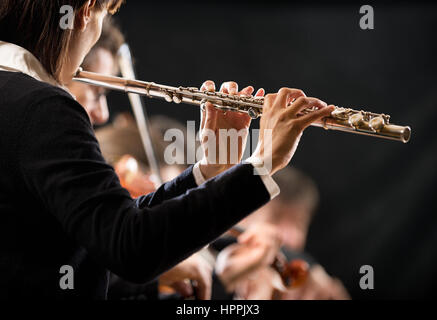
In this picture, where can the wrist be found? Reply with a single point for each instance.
(262, 165)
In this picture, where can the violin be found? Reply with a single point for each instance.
(293, 273)
(132, 178)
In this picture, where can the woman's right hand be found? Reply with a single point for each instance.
(281, 128)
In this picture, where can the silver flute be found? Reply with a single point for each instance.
(341, 119)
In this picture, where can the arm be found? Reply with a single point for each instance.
(210, 166)
(61, 163)
(169, 190)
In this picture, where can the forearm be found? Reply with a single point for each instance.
(64, 169)
(174, 188)
(140, 244)
(204, 172)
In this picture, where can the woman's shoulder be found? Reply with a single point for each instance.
(17, 85)
(21, 94)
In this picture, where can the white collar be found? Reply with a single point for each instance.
(14, 58)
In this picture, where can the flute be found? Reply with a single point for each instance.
(341, 119)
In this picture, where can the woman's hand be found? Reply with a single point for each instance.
(281, 128)
(219, 151)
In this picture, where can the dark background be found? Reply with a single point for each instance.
(378, 202)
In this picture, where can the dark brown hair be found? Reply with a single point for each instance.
(34, 25)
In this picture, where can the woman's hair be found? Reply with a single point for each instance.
(35, 26)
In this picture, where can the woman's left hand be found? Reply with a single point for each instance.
(222, 151)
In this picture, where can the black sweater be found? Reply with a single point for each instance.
(62, 204)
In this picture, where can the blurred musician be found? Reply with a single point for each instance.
(284, 221)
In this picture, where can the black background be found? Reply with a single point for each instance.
(378, 203)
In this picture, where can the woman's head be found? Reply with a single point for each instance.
(36, 26)
(101, 59)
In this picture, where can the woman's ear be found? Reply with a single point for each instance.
(83, 16)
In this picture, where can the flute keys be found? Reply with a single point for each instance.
(168, 97)
(177, 98)
(254, 114)
(341, 113)
(356, 120)
(377, 123)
